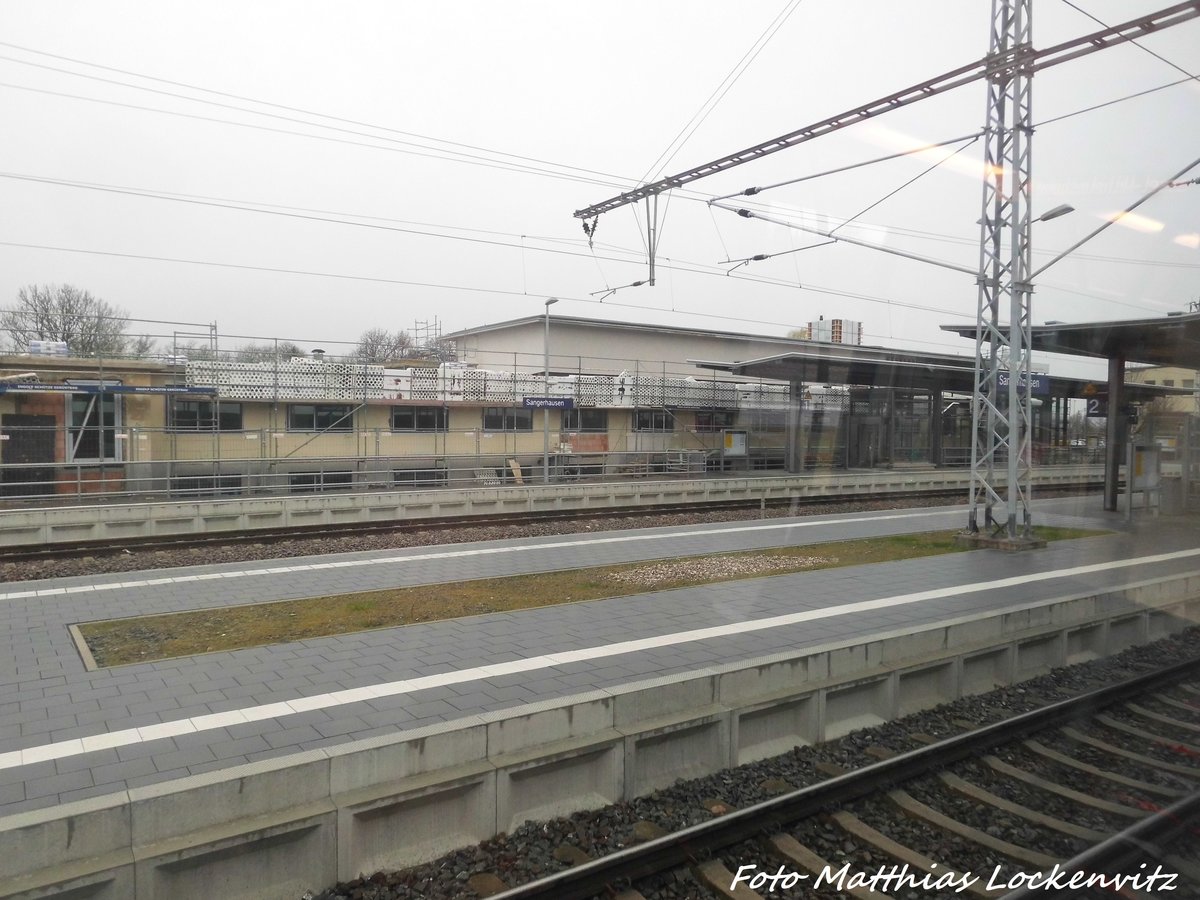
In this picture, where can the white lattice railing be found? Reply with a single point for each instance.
(302, 379)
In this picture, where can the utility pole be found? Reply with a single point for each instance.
(546, 394)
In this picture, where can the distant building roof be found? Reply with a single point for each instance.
(621, 326)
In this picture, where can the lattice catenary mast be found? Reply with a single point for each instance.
(1001, 408)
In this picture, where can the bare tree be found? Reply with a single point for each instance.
(274, 352)
(88, 325)
(194, 350)
(141, 346)
(378, 345)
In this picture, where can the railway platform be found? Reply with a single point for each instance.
(190, 761)
(71, 521)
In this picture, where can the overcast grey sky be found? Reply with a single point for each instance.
(467, 133)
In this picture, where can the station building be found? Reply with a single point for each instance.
(616, 399)
(1169, 376)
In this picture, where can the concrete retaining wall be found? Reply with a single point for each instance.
(65, 524)
(279, 827)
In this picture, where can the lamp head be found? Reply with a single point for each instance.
(1061, 210)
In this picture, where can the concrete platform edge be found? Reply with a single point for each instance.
(57, 525)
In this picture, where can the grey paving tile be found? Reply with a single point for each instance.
(67, 734)
(86, 761)
(504, 694)
(432, 709)
(249, 729)
(329, 681)
(312, 717)
(183, 759)
(16, 719)
(346, 725)
(290, 737)
(45, 726)
(475, 700)
(130, 752)
(270, 754)
(22, 695)
(30, 804)
(100, 716)
(386, 717)
(157, 777)
(217, 765)
(98, 790)
(121, 723)
(57, 784)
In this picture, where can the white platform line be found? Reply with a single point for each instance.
(458, 554)
(340, 698)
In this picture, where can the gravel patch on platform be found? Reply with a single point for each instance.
(715, 568)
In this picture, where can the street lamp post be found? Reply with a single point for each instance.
(546, 393)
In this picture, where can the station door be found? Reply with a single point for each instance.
(28, 454)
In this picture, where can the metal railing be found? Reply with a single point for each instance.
(155, 464)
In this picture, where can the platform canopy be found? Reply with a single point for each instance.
(880, 367)
(1170, 340)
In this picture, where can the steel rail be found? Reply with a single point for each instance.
(1125, 848)
(700, 841)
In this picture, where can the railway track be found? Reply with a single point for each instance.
(446, 523)
(955, 789)
(450, 524)
(1105, 784)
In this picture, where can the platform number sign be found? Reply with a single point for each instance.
(1097, 407)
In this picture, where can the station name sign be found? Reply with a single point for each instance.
(1041, 383)
(547, 403)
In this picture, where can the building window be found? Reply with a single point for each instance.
(714, 420)
(92, 431)
(653, 420)
(507, 418)
(1188, 383)
(315, 482)
(419, 418)
(320, 417)
(204, 415)
(1168, 382)
(593, 420)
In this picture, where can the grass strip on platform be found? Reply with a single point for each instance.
(145, 638)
